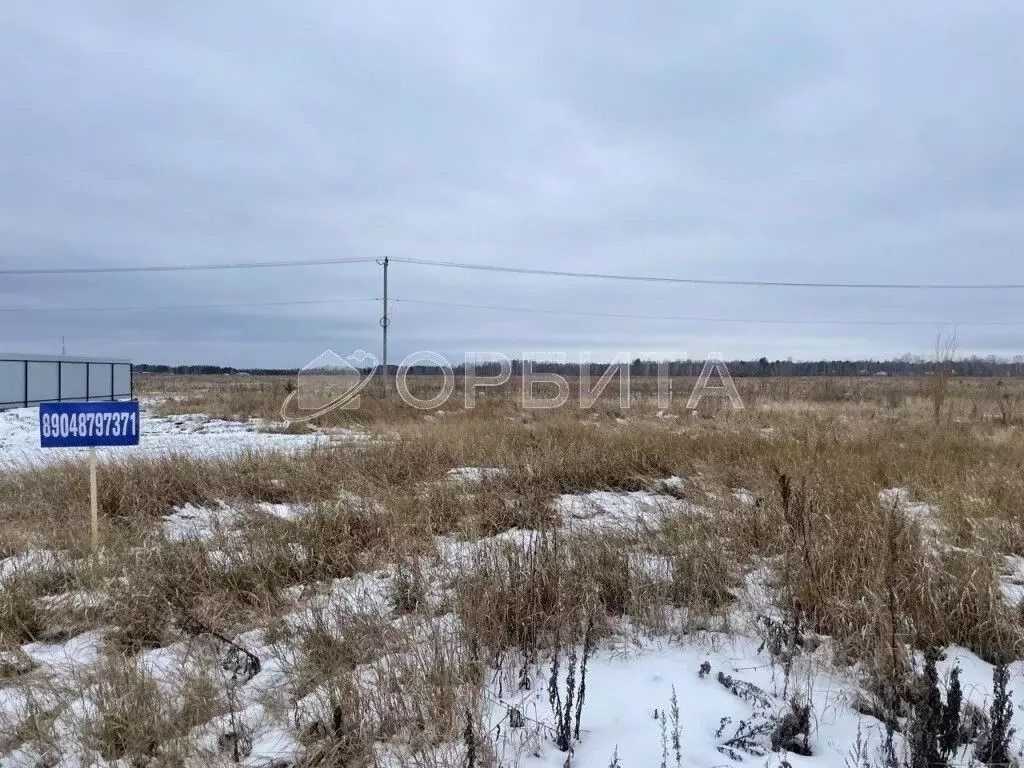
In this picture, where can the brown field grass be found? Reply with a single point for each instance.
(814, 454)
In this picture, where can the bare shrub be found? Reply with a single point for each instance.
(515, 597)
(945, 352)
(864, 573)
(331, 647)
(128, 716)
(415, 700)
(1008, 403)
(993, 747)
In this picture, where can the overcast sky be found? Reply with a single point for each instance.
(786, 141)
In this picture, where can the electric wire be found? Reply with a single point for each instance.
(184, 267)
(691, 318)
(707, 281)
(164, 307)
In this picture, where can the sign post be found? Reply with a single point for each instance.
(89, 425)
(94, 511)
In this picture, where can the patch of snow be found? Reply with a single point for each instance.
(262, 741)
(14, 705)
(192, 434)
(286, 511)
(273, 745)
(473, 474)
(901, 498)
(367, 594)
(758, 594)
(195, 523)
(170, 666)
(743, 496)
(976, 684)
(192, 523)
(1011, 582)
(457, 555)
(924, 514)
(656, 568)
(294, 511)
(606, 511)
(33, 561)
(218, 558)
(626, 686)
(976, 676)
(81, 599)
(66, 658)
(23, 757)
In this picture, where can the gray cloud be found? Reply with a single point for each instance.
(774, 141)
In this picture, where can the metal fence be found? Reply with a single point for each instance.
(27, 380)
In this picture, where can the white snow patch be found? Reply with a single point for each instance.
(262, 740)
(170, 665)
(1011, 582)
(285, 511)
(192, 523)
(457, 555)
(605, 511)
(656, 568)
(80, 599)
(924, 514)
(33, 561)
(195, 523)
(473, 475)
(976, 684)
(192, 434)
(367, 594)
(625, 686)
(744, 497)
(294, 511)
(67, 658)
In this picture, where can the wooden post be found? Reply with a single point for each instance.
(94, 507)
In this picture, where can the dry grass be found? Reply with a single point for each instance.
(128, 716)
(843, 561)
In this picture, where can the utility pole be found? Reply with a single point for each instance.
(385, 321)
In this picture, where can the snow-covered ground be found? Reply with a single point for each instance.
(719, 697)
(605, 511)
(192, 434)
(708, 698)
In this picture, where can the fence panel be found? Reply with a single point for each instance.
(28, 380)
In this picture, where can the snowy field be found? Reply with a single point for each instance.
(193, 434)
(652, 663)
(705, 698)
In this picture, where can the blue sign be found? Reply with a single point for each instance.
(88, 425)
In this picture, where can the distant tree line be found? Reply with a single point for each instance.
(215, 370)
(907, 365)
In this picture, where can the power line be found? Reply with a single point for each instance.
(508, 270)
(702, 281)
(189, 306)
(526, 310)
(184, 267)
(770, 321)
